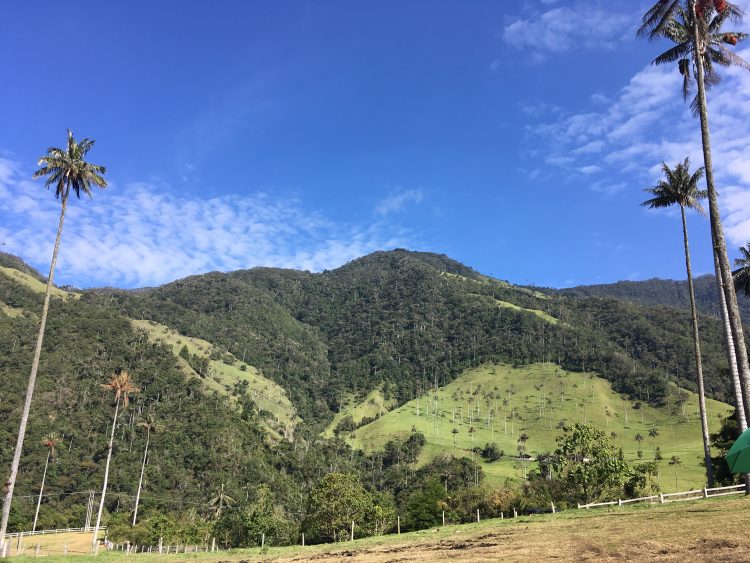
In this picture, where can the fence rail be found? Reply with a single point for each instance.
(695, 494)
(56, 531)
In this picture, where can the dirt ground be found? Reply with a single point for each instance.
(699, 532)
(710, 530)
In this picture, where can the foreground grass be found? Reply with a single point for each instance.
(700, 530)
(535, 400)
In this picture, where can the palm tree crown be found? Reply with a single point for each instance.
(674, 20)
(122, 386)
(51, 441)
(741, 275)
(678, 188)
(67, 168)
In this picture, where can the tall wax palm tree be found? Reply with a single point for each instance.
(50, 441)
(66, 169)
(150, 425)
(701, 46)
(122, 386)
(681, 188)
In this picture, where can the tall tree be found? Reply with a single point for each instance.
(150, 425)
(218, 502)
(50, 441)
(66, 169)
(122, 386)
(700, 47)
(680, 187)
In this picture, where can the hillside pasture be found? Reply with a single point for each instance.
(30, 282)
(278, 415)
(500, 403)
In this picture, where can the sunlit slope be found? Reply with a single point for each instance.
(225, 372)
(374, 405)
(500, 403)
(30, 282)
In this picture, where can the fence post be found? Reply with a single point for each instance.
(443, 517)
(213, 545)
(398, 524)
(661, 498)
(553, 507)
(303, 539)
(352, 536)
(579, 505)
(65, 549)
(161, 543)
(705, 492)
(263, 540)
(619, 502)
(36, 551)
(477, 515)
(515, 514)
(502, 516)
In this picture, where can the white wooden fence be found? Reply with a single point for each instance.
(57, 531)
(695, 494)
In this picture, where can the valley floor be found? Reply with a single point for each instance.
(693, 531)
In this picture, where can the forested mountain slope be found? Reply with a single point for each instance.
(670, 293)
(202, 349)
(403, 320)
(202, 440)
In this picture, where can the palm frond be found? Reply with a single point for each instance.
(67, 169)
(657, 18)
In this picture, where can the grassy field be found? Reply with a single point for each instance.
(278, 414)
(486, 281)
(34, 284)
(500, 403)
(708, 530)
(372, 406)
(9, 311)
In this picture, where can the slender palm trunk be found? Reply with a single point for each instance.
(698, 361)
(717, 232)
(95, 541)
(140, 481)
(11, 483)
(740, 404)
(41, 491)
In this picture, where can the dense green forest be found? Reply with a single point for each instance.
(671, 293)
(406, 320)
(401, 321)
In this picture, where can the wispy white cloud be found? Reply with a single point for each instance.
(142, 234)
(646, 124)
(398, 201)
(583, 25)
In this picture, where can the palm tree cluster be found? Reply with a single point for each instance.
(700, 47)
(66, 169)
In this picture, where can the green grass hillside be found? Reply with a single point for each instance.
(374, 405)
(225, 373)
(499, 403)
(35, 285)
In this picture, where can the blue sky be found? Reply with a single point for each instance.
(515, 137)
